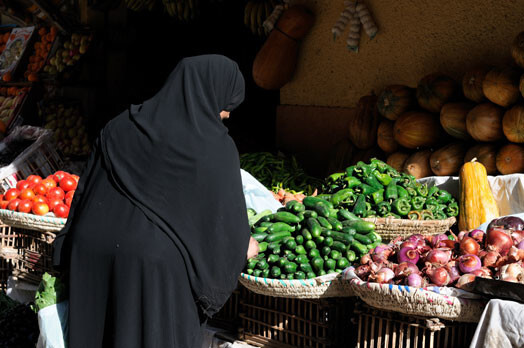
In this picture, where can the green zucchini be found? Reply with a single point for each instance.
(322, 210)
(277, 236)
(343, 214)
(310, 213)
(360, 226)
(280, 227)
(311, 201)
(324, 222)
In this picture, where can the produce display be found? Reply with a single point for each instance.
(3, 40)
(284, 196)
(376, 189)
(14, 50)
(449, 260)
(41, 50)
(10, 99)
(69, 127)
(51, 196)
(68, 53)
(278, 172)
(309, 239)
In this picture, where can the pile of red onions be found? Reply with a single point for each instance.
(443, 260)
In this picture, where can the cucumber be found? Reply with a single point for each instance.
(260, 229)
(342, 237)
(317, 263)
(265, 224)
(291, 244)
(362, 238)
(374, 236)
(310, 213)
(290, 267)
(335, 254)
(280, 227)
(325, 250)
(287, 217)
(321, 210)
(359, 248)
(300, 275)
(306, 234)
(311, 201)
(342, 263)
(310, 245)
(337, 225)
(349, 230)
(320, 240)
(326, 232)
(330, 265)
(324, 222)
(343, 214)
(266, 218)
(302, 259)
(314, 253)
(328, 241)
(299, 239)
(277, 236)
(259, 237)
(339, 246)
(300, 250)
(282, 262)
(314, 227)
(362, 227)
(322, 272)
(295, 207)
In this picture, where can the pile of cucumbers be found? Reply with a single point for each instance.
(309, 239)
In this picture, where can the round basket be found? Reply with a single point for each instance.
(390, 228)
(417, 301)
(32, 222)
(298, 288)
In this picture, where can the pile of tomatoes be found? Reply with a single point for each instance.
(39, 196)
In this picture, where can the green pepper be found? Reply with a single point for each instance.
(325, 250)
(350, 255)
(371, 213)
(381, 166)
(441, 207)
(349, 171)
(444, 197)
(341, 196)
(314, 253)
(407, 180)
(273, 258)
(360, 206)
(384, 179)
(305, 267)
(440, 215)
(290, 267)
(265, 273)
(311, 275)
(342, 263)
(262, 264)
(310, 245)
(378, 196)
(433, 190)
(251, 271)
(411, 190)
(335, 176)
(383, 208)
(351, 181)
(426, 215)
(402, 206)
(402, 193)
(257, 272)
(328, 241)
(363, 169)
(275, 272)
(299, 239)
(393, 215)
(391, 191)
(372, 181)
(431, 204)
(300, 275)
(335, 254)
(414, 215)
(365, 189)
(452, 209)
(262, 246)
(417, 202)
(422, 190)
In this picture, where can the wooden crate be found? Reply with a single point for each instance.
(381, 329)
(228, 317)
(286, 322)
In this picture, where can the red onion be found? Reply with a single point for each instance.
(483, 273)
(462, 234)
(408, 254)
(363, 271)
(469, 262)
(435, 241)
(451, 244)
(404, 269)
(465, 281)
(415, 238)
(364, 260)
(498, 240)
(468, 245)
(408, 245)
(518, 236)
(453, 270)
(511, 272)
(385, 275)
(520, 245)
(478, 235)
(381, 253)
(439, 276)
(490, 259)
(415, 280)
(439, 256)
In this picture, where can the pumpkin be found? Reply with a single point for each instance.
(418, 164)
(385, 139)
(513, 124)
(448, 159)
(397, 160)
(485, 154)
(517, 49)
(477, 203)
(510, 159)
(472, 84)
(435, 90)
(340, 156)
(364, 124)
(453, 119)
(501, 86)
(415, 129)
(521, 85)
(395, 100)
(484, 122)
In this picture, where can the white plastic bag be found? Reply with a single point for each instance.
(257, 196)
(52, 321)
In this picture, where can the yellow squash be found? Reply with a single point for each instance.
(477, 203)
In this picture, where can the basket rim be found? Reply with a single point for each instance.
(411, 223)
(31, 221)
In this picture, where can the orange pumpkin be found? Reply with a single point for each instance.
(484, 153)
(513, 124)
(416, 129)
(448, 159)
(484, 122)
(395, 100)
(472, 84)
(453, 119)
(501, 86)
(418, 164)
(397, 160)
(517, 49)
(385, 139)
(363, 126)
(435, 90)
(510, 159)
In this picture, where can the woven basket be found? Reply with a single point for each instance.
(303, 288)
(391, 228)
(417, 301)
(31, 222)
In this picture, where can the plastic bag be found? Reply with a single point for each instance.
(52, 321)
(257, 196)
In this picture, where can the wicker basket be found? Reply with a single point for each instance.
(31, 221)
(305, 288)
(391, 228)
(417, 301)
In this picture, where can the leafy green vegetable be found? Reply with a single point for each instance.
(50, 291)
(254, 218)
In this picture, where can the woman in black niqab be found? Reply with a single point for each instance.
(158, 229)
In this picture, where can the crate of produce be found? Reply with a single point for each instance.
(379, 328)
(12, 101)
(228, 317)
(289, 322)
(14, 51)
(27, 150)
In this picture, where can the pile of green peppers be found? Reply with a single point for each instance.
(376, 189)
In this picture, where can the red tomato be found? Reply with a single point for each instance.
(40, 208)
(40, 199)
(22, 184)
(61, 211)
(56, 192)
(11, 194)
(40, 189)
(68, 183)
(3, 204)
(25, 206)
(27, 194)
(59, 175)
(49, 183)
(53, 202)
(1, 197)
(13, 204)
(76, 177)
(34, 179)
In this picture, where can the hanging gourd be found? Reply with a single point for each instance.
(356, 14)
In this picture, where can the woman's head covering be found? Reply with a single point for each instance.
(173, 157)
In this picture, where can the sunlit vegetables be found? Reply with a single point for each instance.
(448, 159)
(501, 86)
(418, 164)
(484, 122)
(510, 159)
(417, 129)
(453, 119)
(513, 124)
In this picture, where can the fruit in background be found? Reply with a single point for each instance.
(485, 154)
(52, 203)
(69, 53)
(40, 208)
(67, 183)
(13, 204)
(25, 206)
(10, 98)
(501, 86)
(61, 210)
(453, 119)
(4, 204)
(418, 164)
(56, 192)
(27, 194)
(484, 122)
(34, 179)
(40, 199)
(41, 51)
(510, 159)
(395, 100)
(417, 129)
(472, 84)
(513, 124)
(22, 184)
(11, 194)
